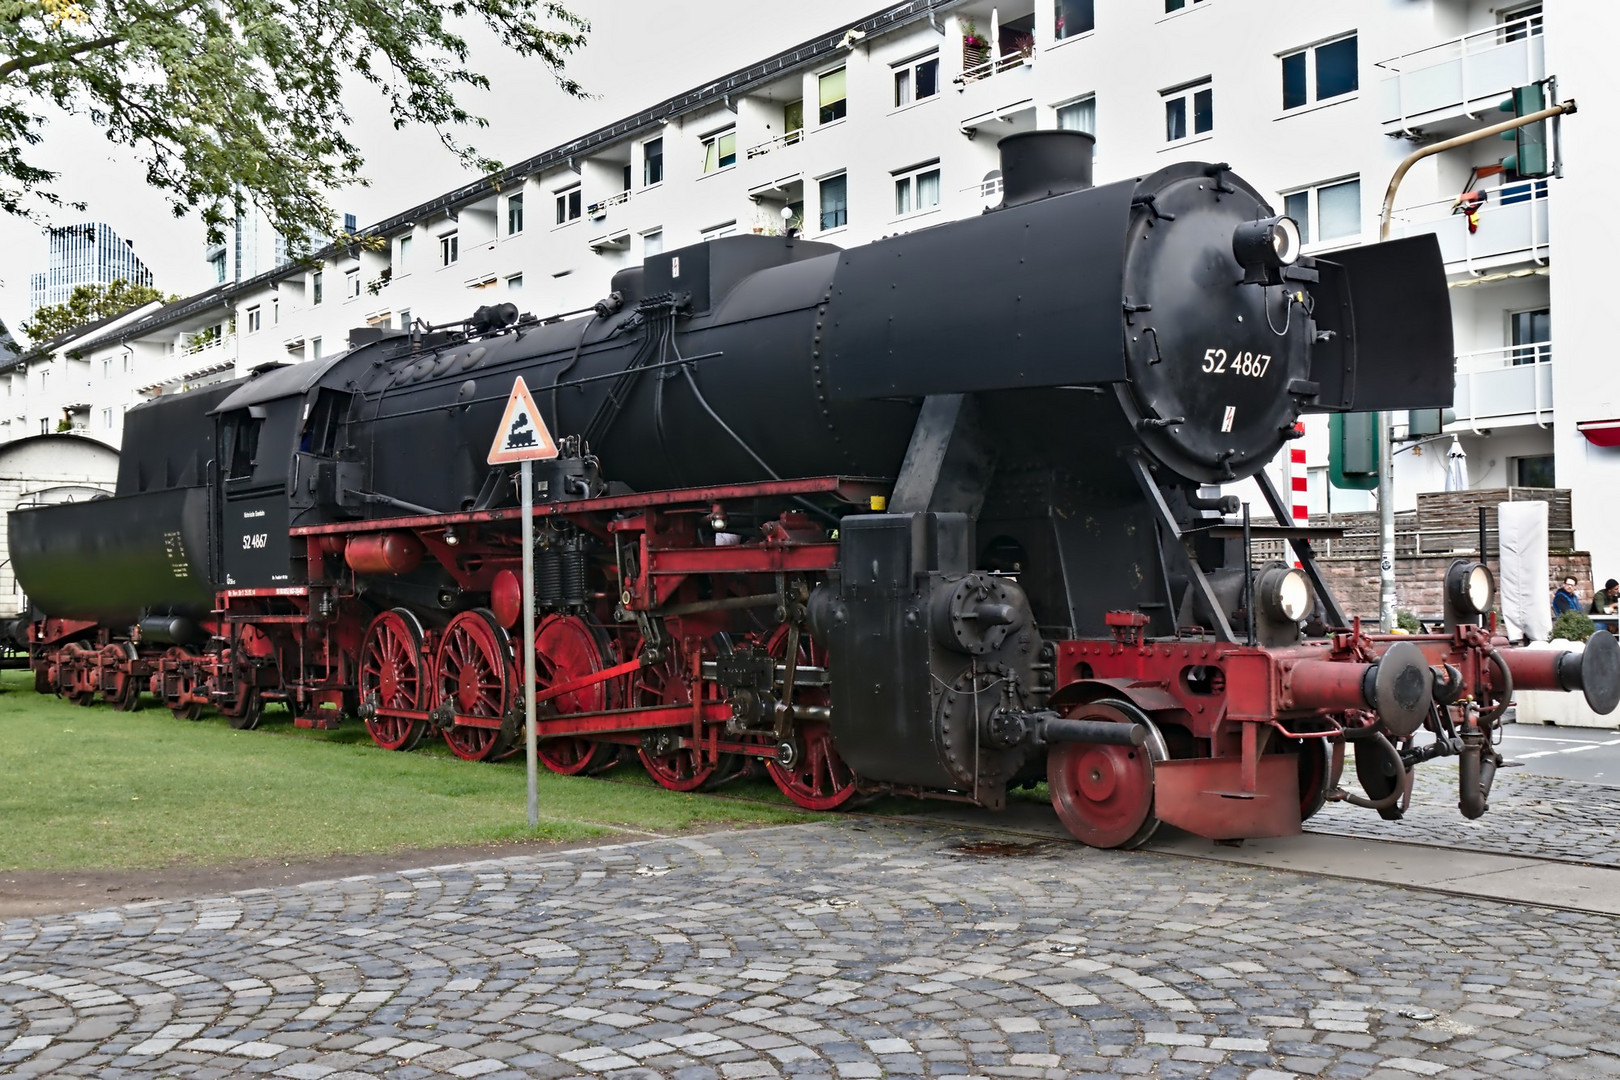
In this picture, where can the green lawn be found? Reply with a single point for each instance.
(96, 788)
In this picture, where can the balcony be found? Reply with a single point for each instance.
(780, 142)
(1444, 89)
(598, 210)
(1511, 229)
(1503, 387)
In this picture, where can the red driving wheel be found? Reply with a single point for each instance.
(816, 778)
(472, 670)
(567, 648)
(678, 768)
(392, 676)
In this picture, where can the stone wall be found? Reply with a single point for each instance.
(1420, 579)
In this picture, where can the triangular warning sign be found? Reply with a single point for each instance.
(522, 435)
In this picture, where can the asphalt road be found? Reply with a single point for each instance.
(1589, 754)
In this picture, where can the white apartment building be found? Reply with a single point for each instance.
(891, 125)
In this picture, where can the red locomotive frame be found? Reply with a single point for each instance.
(1231, 740)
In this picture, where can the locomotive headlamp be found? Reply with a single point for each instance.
(1470, 588)
(1264, 247)
(1285, 593)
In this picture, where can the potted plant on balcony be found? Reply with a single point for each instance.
(975, 46)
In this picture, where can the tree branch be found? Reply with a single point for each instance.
(24, 63)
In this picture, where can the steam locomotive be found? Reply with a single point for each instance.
(937, 516)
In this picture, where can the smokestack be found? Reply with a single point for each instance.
(1040, 164)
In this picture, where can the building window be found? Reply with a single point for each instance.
(1536, 472)
(1521, 23)
(275, 312)
(1189, 110)
(1075, 17)
(832, 96)
(1177, 5)
(1079, 115)
(793, 117)
(916, 80)
(1327, 211)
(1320, 73)
(514, 283)
(315, 292)
(652, 243)
(449, 249)
(835, 201)
(916, 190)
(253, 317)
(218, 263)
(351, 283)
(652, 162)
(1532, 335)
(403, 260)
(725, 228)
(314, 348)
(107, 418)
(720, 150)
(568, 205)
(514, 215)
(405, 319)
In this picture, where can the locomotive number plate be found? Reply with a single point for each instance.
(1249, 364)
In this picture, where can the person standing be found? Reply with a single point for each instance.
(1565, 599)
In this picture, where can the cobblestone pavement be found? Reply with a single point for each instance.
(842, 948)
(1542, 816)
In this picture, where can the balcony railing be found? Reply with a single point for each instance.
(1467, 74)
(600, 209)
(786, 139)
(1512, 227)
(1511, 382)
(992, 67)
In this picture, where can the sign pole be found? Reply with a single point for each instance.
(526, 646)
(521, 439)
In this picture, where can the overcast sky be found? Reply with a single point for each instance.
(639, 52)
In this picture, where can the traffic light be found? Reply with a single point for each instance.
(1529, 157)
(1353, 450)
(1425, 423)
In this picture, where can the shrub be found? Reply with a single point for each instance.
(1407, 621)
(1572, 626)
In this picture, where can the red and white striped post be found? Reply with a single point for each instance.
(1299, 479)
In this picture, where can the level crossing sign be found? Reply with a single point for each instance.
(522, 434)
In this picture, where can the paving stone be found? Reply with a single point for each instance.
(843, 949)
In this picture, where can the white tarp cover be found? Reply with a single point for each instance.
(1525, 601)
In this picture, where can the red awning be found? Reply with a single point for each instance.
(1600, 432)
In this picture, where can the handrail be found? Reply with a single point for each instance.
(1477, 361)
(785, 139)
(994, 66)
(1519, 190)
(1504, 33)
(612, 200)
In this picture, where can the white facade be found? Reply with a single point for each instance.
(893, 127)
